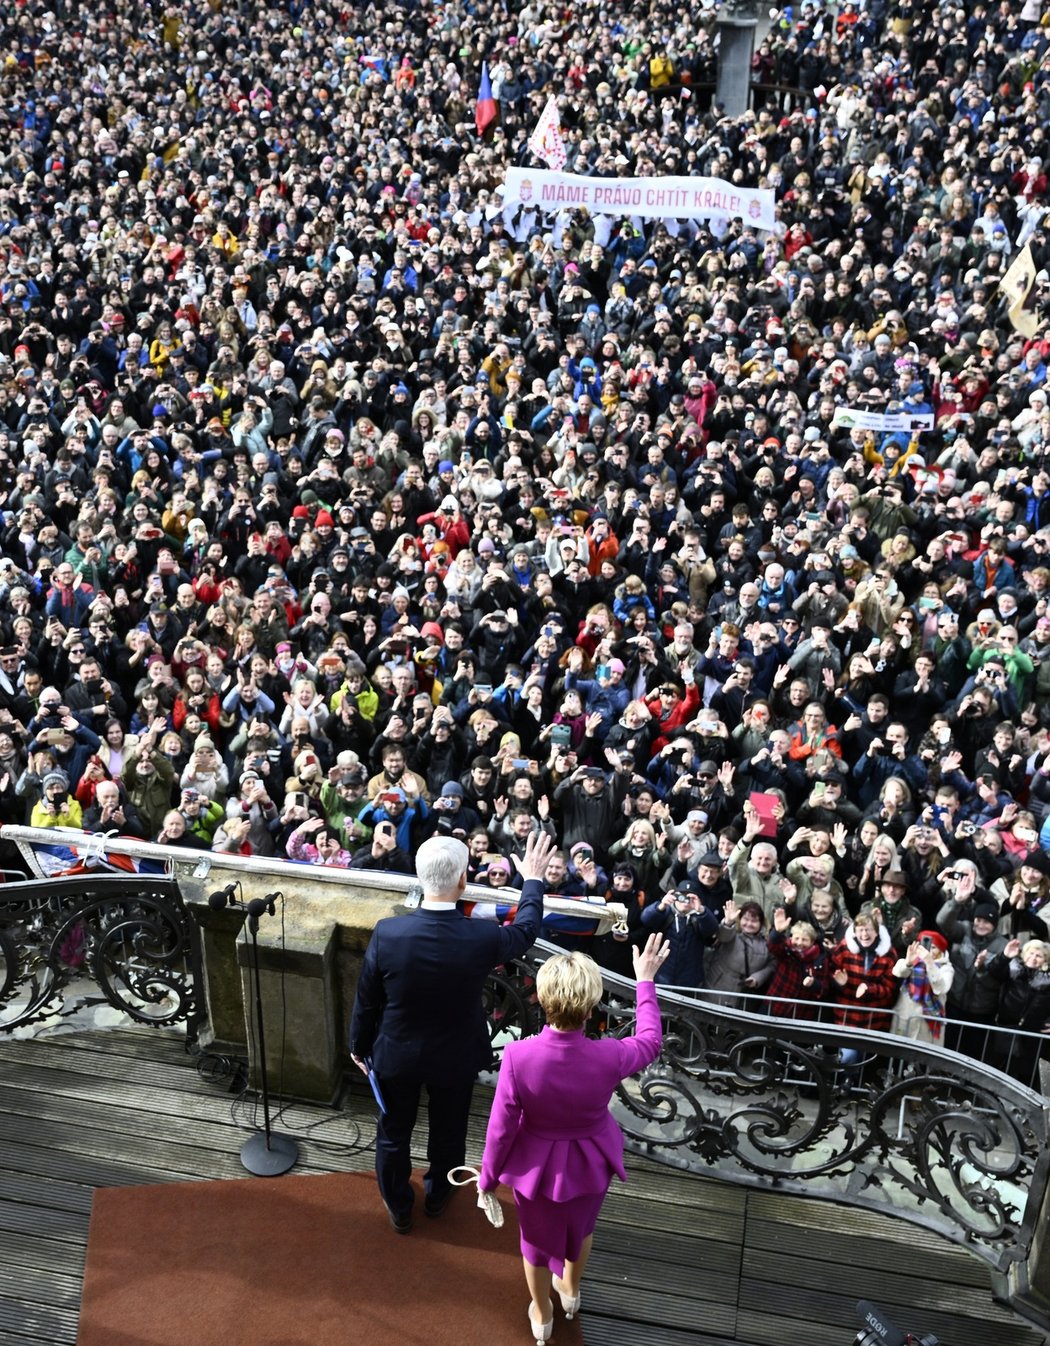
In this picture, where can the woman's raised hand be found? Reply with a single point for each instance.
(648, 961)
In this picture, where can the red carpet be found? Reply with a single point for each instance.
(299, 1261)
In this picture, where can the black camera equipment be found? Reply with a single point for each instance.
(878, 1330)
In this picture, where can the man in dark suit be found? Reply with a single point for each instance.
(418, 1015)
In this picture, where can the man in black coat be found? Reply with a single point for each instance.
(591, 806)
(418, 1017)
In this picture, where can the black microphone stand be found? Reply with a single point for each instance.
(266, 1154)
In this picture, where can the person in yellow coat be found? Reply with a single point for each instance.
(56, 806)
(661, 71)
(172, 28)
(224, 240)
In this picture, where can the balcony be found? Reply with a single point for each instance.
(741, 1120)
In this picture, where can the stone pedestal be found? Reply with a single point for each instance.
(300, 1013)
(308, 977)
(225, 1031)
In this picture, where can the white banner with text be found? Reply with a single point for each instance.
(670, 198)
(882, 422)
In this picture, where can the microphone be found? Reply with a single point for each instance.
(883, 1331)
(260, 905)
(268, 904)
(223, 897)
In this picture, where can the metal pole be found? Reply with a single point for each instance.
(266, 1154)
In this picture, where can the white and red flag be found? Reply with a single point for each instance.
(546, 141)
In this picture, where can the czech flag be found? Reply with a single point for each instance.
(486, 111)
(376, 64)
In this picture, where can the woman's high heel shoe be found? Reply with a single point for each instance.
(541, 1332)
(570, 1304)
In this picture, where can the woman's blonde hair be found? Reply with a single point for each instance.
(645, 827)
(905, 788)
(569, 985)
(883, 839)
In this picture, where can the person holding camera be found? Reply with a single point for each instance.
(495, 636)
(689, 927)
(1009, 664)
(451, 524)
(409, 815)
(450, 814)
(590, 805)
(314, 842)
(93, 699)
(985, 702)
(887, 756)
(382, 852)
(56, 806)
(69, 742)
(201, 815)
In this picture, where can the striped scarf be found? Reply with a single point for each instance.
(920, 990)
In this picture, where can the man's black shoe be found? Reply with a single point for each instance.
(401, 1224)
(434, 1205)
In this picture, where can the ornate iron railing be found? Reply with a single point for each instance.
(914, 1130)
(56, 931)
(906, 1129)
(131, 936)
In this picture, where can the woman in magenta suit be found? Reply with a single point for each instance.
(551, 1136)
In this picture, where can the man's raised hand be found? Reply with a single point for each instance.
(533, 864)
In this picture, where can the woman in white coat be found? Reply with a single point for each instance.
(926, 974)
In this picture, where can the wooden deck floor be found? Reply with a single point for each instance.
(678, 1261)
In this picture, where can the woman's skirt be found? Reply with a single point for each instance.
(553, 1232)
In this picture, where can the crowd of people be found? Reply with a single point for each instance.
(344, 506)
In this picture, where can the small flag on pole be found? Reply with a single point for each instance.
(486, 111)
(546, 141)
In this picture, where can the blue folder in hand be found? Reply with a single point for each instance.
(374, 1083)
